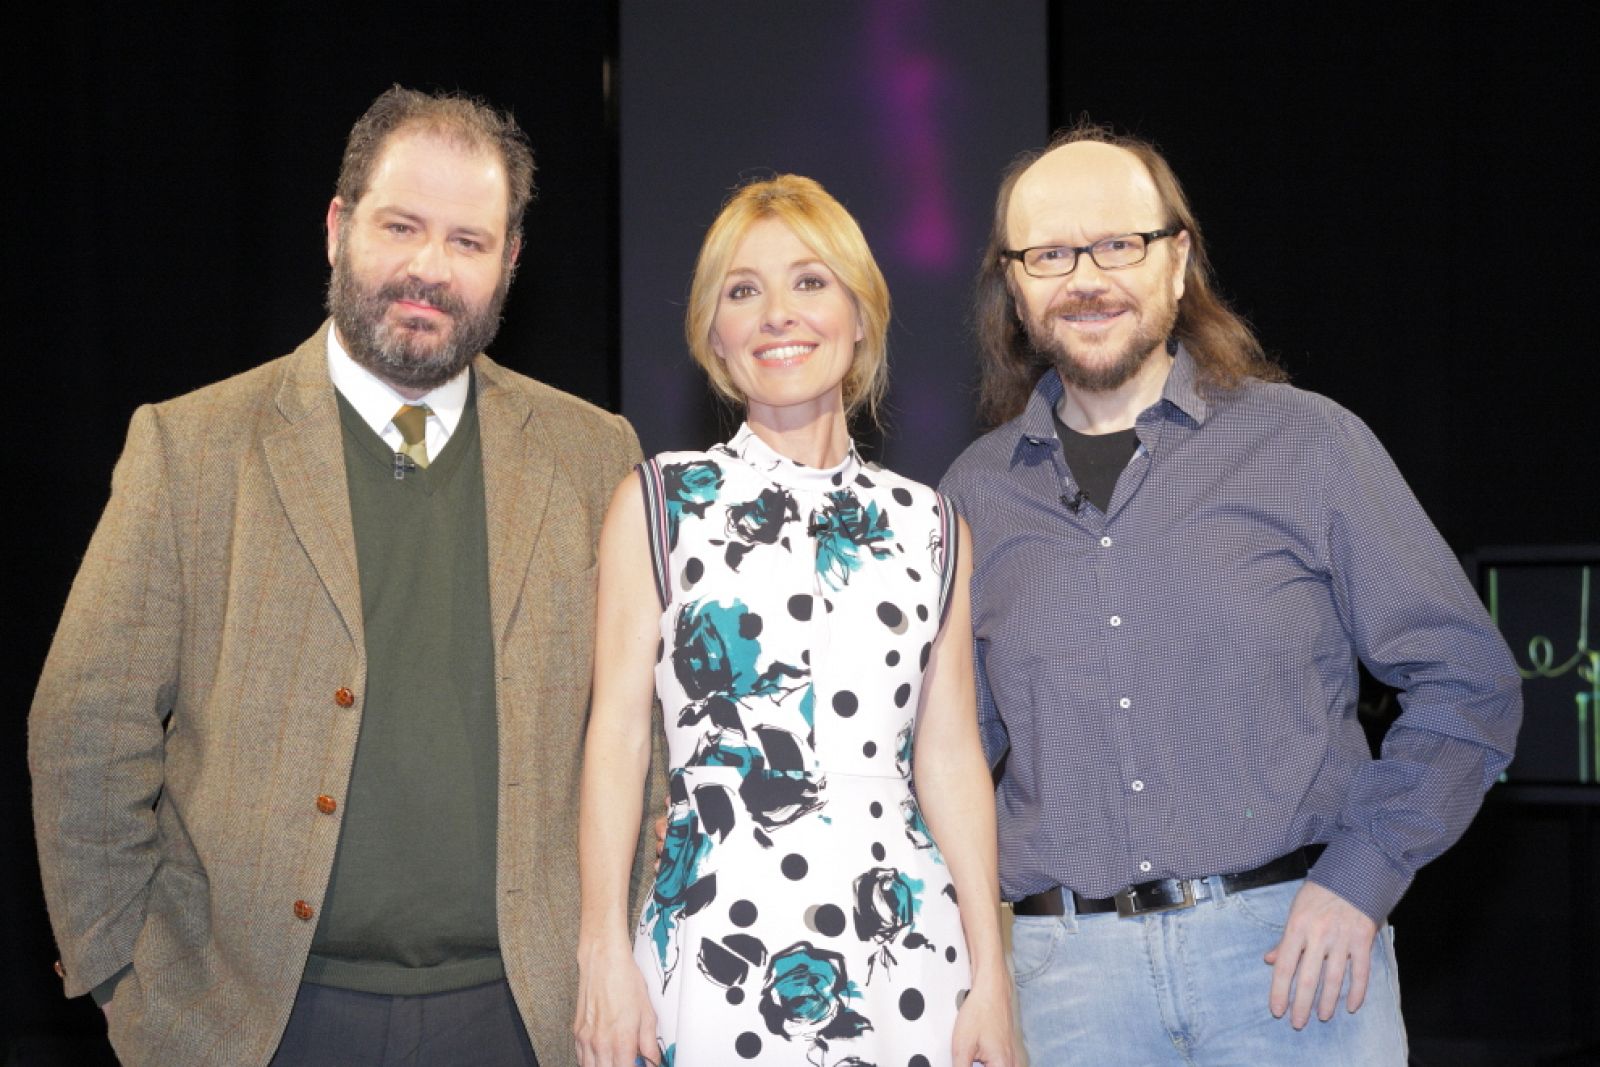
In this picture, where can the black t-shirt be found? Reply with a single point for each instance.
(1096, 460)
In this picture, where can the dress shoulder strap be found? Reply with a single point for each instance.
(656, 525)
(950, 542)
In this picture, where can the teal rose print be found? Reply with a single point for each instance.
(917, 831)
(843, 528)
(688, 488)
(776, 782)
(716, 651)
(887, 902)
(680, 890)
(807, 995)
(758, 522)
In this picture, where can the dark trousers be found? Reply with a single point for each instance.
(343, 1028)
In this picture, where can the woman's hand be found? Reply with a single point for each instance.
(985, 1032)
(615, 1026)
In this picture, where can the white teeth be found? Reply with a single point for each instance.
(1095, 317)
(786, 352)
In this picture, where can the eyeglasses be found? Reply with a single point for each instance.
(1108, 253)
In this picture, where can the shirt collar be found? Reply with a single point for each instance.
(375, 399)
(1036, 425)
(1182, 390)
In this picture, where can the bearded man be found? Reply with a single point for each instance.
(305, 750)
(1179, 561)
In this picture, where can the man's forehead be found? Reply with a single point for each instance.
(418, 165)
(1084, 187)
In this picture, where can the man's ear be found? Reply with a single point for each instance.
(332, 223)
(1181, 243)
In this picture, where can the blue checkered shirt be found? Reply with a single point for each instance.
(1174, 681)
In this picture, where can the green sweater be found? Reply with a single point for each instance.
(410, 906)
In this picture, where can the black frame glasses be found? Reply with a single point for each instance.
(1106, 246)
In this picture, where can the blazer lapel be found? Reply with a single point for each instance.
(306, 458)
(518, 473)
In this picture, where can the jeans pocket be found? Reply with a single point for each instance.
(1033, 946)
(1267, 907)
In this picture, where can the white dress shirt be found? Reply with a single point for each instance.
(376, 401)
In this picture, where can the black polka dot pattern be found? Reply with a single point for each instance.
(845, 703)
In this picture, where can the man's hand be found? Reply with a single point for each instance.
(1324, 934)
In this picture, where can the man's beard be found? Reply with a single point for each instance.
(412, 353)
(1105, 375)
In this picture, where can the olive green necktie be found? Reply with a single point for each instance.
(412, 422)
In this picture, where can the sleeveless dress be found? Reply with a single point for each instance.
(801, 913)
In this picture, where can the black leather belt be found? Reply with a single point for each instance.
(1169, 894)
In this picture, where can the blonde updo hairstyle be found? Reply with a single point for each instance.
(827, 229)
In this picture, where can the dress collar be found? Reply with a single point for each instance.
(786, 472)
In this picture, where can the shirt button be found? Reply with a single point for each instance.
(1105, 542)
(1124, 703)
(327, 805)
(1116, 620)
(1144, 865)
(1137, 786)
(343, 697)
(302, 910)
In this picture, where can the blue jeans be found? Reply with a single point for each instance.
(1187, 987)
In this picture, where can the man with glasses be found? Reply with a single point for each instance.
(1179, 561)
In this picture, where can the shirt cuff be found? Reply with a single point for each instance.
(1362, 875)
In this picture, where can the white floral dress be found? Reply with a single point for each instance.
(801, 913)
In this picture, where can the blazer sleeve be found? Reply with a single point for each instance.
(96, 728)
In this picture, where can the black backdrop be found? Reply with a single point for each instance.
(1400, 200)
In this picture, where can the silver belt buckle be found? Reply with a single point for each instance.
(1128, 904)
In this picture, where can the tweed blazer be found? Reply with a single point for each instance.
(204, 690)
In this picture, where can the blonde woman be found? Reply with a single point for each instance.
(802, 618)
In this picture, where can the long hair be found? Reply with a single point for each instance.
(1224, 348)
(461, 120)
(822, 225)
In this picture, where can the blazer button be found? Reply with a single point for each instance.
(343, 697)
(61, 972)
(327, 805)
(302, 910)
